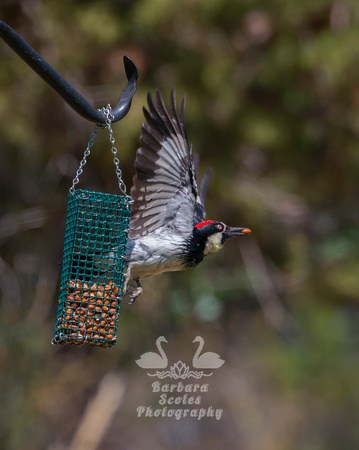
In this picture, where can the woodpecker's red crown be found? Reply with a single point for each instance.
(204, 223)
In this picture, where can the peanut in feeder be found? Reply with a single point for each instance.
(92, 275)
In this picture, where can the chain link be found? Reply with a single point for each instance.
(84, 160)
(109, 117)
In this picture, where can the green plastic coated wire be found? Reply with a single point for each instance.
(92, 274)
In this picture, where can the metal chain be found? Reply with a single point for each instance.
(109, 117)
(83, 161)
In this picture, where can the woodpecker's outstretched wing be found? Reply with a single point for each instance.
(165, 189)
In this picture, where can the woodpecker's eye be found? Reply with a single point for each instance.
(219, 227)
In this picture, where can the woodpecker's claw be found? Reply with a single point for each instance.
(134, 293)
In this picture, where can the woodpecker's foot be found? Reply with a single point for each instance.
(135, 292)
(126, 279)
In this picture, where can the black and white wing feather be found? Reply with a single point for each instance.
(165, 189)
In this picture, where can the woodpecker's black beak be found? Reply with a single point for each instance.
(230, 232)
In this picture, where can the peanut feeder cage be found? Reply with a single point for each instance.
(96, 224)
(92, 268)
(93, 260)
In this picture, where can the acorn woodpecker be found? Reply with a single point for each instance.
(168, 230)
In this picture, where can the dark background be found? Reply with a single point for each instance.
(273, 107)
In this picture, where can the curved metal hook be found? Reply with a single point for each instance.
(63, 88)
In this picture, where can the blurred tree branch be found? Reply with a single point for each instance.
(265, 289)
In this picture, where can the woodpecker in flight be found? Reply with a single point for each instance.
(168, 230)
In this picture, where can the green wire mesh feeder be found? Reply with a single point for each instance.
(93, 261)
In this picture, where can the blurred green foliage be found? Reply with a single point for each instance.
(273, 106)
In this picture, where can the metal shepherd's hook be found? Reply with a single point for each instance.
(63, 88)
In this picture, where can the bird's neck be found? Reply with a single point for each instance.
(199, 349)
(160, 349)
(195, 248)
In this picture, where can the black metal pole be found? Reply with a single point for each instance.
(62, 87)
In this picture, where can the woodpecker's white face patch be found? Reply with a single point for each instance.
(213, 244)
